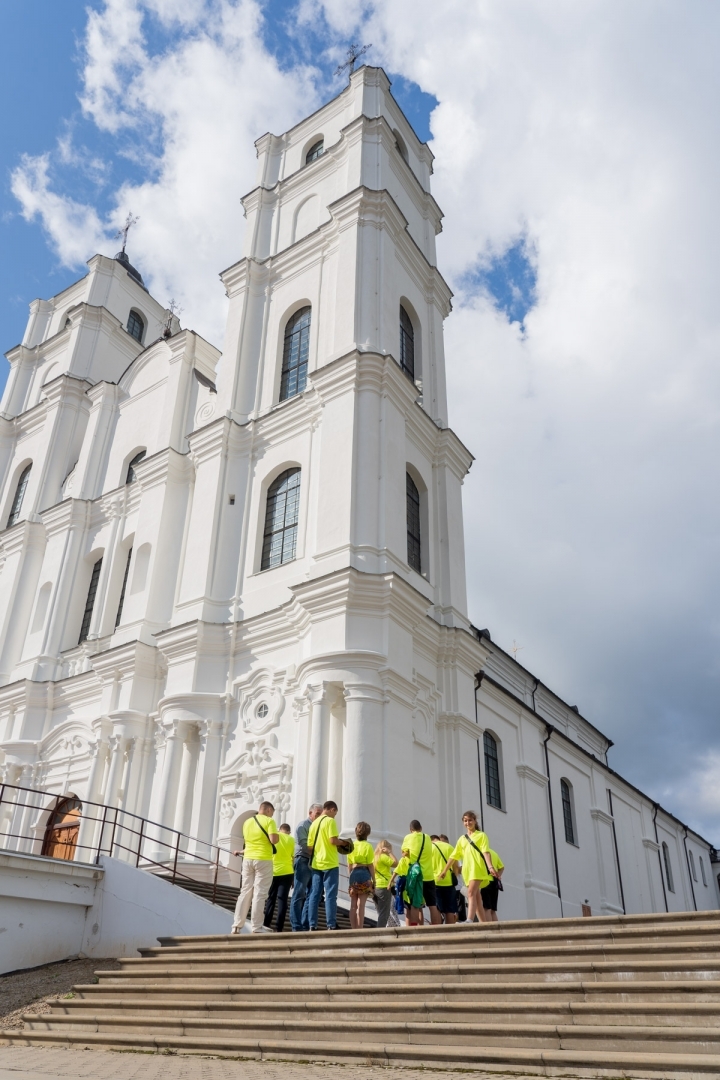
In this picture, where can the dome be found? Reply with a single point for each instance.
(122, 258)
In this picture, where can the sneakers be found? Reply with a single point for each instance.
(235, 930)
(263, 930)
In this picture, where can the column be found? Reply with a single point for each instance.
(211, 739)
(317, 754)
(186, 783)
(174, 740)
(362, 796)
(335, 749)
(89, 822)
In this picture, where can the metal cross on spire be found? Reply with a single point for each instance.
(122, 234)
(353, 55)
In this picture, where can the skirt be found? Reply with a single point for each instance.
(361, 882)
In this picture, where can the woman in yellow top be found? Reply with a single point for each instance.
(361, 863)
(473, 851)
(384, 862)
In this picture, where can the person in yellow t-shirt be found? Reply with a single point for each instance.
(323, 839)
(401, 868)
(362, 875)
(473, 851)
(260, 834)
(384, 862)
(491, 891)
(417, 845)
(283, 877)
(444, 884)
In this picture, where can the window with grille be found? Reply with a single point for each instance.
(90, 602)
(316, 150)
(17, 502)
(407, 344)
(118, 617)
(296, 349)
(281, 520)
(702, 871)
(130, 477)
(492, 771)
(668, 867)
(413, 524)
(136, 326)
(567, 809)
(692, 866)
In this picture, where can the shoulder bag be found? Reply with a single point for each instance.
(274, 849)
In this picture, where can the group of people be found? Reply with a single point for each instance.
(279, 871)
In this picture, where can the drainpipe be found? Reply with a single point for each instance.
(617, 853)
(479, 677)
(687, 860)
(657, 841)
(549, 729)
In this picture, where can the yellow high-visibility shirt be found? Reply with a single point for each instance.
(257, 845)
(441, 853)
(362, 853)
(283, 859)
(412, 843)
(383, 870)
(474, 867)
(325, 855)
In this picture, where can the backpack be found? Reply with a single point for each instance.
(414, 882)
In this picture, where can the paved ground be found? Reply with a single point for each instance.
(45, 1063)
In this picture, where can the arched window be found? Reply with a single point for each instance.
(493, 793)
(118, 617)
(692, 866)
(316, 150)
(668, 867)
(130, 476)
(567, 808)
(413, 524)
(136, 325)
(702, 872)
(407, 344)
(400, 144)
(19, 496)
(281, 520)
(296, 349)
(90, 602)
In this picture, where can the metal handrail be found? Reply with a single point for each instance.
(133, 838)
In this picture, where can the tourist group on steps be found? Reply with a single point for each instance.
(279, 870)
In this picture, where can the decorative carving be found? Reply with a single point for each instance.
(424, 717)
(260, 771)
(262, 701)
(205, 412)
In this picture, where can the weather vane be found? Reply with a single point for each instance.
(353, 54)
(122, 234)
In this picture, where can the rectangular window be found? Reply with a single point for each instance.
(90, 602)
(492, 771)
(567, 812)
(118, 617)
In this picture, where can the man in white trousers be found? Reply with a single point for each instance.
(260, 834)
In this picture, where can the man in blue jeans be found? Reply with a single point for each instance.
(299, 906)
(323, 840)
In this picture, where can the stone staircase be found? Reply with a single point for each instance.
(635, 996)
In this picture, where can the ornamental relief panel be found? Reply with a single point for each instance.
(260, 771)
(261, 701)
(424, 717)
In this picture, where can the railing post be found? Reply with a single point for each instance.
(102, 835)
(177, 850)
(140, 840)
(112, 838)
(217, 867)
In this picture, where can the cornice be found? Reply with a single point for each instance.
(527, 772)
(134, 657)
(23, 536)
(601, 815)
(71, 513)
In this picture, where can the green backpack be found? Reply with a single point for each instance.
(414, 882)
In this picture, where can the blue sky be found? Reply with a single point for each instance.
(577, 162)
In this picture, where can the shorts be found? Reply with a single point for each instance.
(446, 899)
(429, 894)
(490, 896)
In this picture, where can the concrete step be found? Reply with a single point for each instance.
(656, 990)
(463, 1011)
(656, 1064)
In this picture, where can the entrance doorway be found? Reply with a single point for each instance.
(62, 829)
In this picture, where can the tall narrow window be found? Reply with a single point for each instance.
(492, 771)
(136, 326)
(19, 496)
(567, 809)
(130, 477)
(118, 617)
(281, 520)
(668, 867)
(702, 871)
(296, 349)
(413, 523)
(90, 602)
(316, 150)
(692, 866)
(407, 344)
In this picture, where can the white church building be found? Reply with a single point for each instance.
(227, 576)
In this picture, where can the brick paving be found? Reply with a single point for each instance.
(48, 1063)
